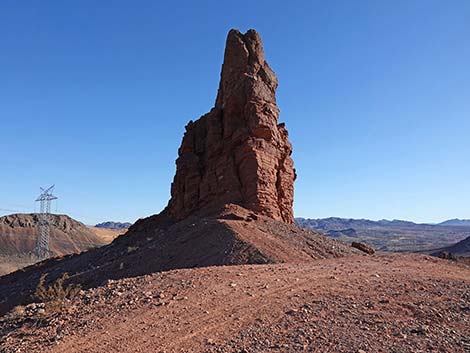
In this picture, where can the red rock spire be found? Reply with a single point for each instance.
(237, 153)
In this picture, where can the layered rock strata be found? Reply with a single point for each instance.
(237, 153)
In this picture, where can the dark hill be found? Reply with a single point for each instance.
(462, 248)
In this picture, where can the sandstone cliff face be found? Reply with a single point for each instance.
(237, 153)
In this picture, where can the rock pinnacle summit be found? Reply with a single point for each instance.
(237, 153)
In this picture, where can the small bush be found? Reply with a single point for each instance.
(55, 294)
(17, 312)
(132, 249)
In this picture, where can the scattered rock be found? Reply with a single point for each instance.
(210, 341)
(447, 256)
(363, 247)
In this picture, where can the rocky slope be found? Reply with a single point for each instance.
(19, 232)
(18, 236)
(228, 236)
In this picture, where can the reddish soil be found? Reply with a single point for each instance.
(380, 303)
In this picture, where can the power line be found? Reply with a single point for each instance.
(9, 210)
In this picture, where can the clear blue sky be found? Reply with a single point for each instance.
(94, 96)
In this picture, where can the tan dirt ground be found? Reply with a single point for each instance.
(107, 235)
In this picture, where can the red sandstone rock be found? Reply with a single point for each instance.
(237, 153)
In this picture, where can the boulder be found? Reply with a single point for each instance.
(363, 247)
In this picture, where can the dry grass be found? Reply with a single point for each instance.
(55, 294)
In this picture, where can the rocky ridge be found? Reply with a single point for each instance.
(18, 235)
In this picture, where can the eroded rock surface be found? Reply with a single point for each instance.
(237, 153)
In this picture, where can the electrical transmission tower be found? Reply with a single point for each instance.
(42, 247)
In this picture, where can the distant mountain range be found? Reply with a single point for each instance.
(113, 225)
(456, 222)
(395, 235)
(336, 223)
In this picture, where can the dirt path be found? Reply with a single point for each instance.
(392, 303)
